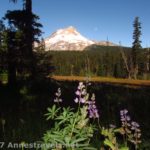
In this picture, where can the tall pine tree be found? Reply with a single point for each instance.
(30, 32)
(136, 46)
(23, 30)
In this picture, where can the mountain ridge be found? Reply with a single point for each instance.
(70, 39)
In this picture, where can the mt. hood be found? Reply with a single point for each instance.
(70, 39)
(67, 39)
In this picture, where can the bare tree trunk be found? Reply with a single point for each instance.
(88, 65)
(29, 38)
(124, 57)
(136, 71)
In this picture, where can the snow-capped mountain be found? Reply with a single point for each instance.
(67, 39)
(70, 39)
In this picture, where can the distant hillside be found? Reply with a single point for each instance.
(96, 47)
(97, 61)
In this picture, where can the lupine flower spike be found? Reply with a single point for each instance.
(58, 95)
(81, 94)
(125, 118)
(135, 127)
(92, 109)
(83, 97)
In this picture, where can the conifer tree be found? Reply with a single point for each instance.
(136, 46)
(30, 32)
(24, 23)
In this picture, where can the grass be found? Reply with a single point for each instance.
(109, 80)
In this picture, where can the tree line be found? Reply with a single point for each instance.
(106, 61)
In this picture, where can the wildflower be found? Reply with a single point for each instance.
(135, 125)
(83, 97)
(93, 113)
(123, 112)
(78, 93)
(92, 109)
(125, 118)
(81, 93)
(76, 100)
(58, 95)
(136, 134)
(130, 128)
(81, 86)
(82, 100)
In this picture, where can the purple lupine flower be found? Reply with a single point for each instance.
(78, 93)
(92, 109)
(58, 95)
(135, 125)
(131, 129)
(124, 117)
(125, 120)
(81, 86)
(76, 100)
(81, 93)
(82, 100)
(123, 112)
(93, 113)
(82, 97)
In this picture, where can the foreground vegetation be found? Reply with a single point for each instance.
(22, 108)
(74, 130)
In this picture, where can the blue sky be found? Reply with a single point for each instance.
(95, 19)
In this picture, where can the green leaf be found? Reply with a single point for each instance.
(52, 112)
(109, 143)
(67, 140)
(78, 140)
(124, 148)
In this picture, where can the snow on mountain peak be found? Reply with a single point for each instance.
(71, 30)
(67, 39)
